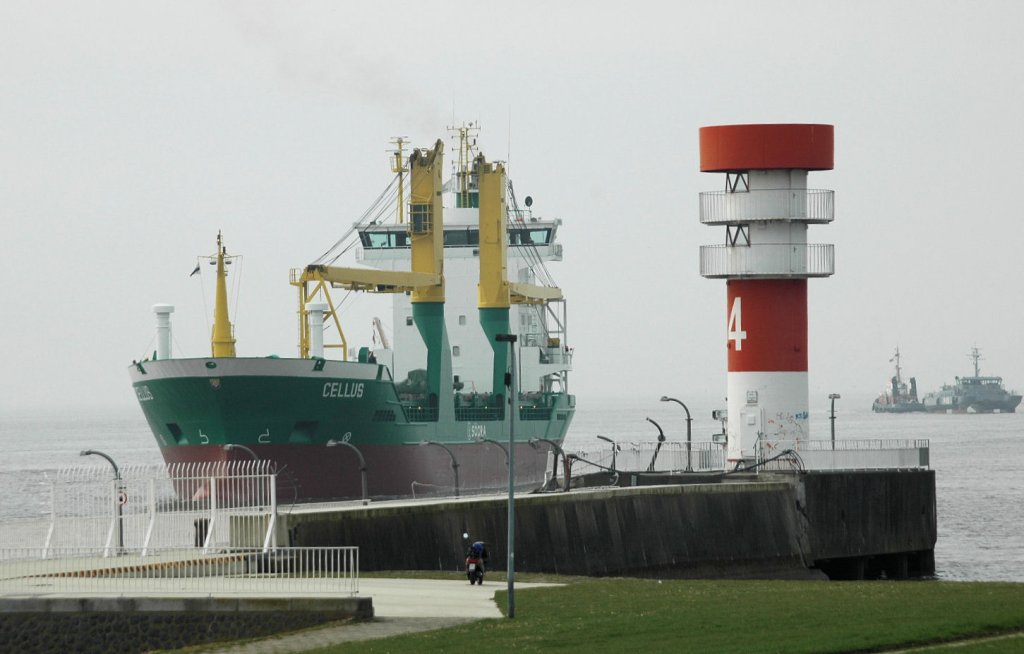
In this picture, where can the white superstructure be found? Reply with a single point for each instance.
(543, 357)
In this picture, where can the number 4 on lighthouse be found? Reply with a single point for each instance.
(735, 328)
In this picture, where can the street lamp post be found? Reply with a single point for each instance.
(689, 420)
(117, 496)
(504, 449)
(513, 402)
(657, 448)
(558, 452)
(455, 464)
(362, 463)
(832, 416)
(615, 449)
(235, 446)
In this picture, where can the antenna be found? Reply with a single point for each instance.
(508, 150)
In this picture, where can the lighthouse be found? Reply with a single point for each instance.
(766, 208)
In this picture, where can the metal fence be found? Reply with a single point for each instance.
(205, 505)
(860, 454)
(169, 571)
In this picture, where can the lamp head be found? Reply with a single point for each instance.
(833, 396)
(331, 443)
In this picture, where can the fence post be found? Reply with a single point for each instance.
(151, 507)
(212, 526)
(271, 538)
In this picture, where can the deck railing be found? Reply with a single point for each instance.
(798, 260)
(803, 205)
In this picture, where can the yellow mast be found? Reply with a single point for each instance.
(223, 340)
(426, 222)
(494, 287)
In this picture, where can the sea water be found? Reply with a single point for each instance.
(978, 461)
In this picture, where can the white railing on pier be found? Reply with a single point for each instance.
(671, 456)
(175, 571)
(205, 505)
(799, 260)
(771, 455)
(734, 208)
(860, 454)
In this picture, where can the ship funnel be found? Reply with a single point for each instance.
(163, 330)
(316, 330)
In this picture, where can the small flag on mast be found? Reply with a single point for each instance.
(196, 270)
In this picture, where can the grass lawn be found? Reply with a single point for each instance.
(623, 615)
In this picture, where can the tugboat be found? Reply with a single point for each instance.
(974, 394)
(428, 412)
(898, 398)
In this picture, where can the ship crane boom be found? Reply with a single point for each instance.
(376, 281)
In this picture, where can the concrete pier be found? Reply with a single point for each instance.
(840, 525)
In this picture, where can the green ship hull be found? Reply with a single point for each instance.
(286, 411)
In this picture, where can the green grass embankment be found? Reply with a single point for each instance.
(748, 617)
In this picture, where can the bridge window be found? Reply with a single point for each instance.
(384, 239)
(461, 237)
(537, 236)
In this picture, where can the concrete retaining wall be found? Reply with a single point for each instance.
(774, 526)
(872, 523)
(128, 625)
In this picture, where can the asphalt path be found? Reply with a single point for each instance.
(400, 606)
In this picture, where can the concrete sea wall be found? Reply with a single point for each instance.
(844, 525)
(128, 625)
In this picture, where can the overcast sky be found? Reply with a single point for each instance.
(130, 132)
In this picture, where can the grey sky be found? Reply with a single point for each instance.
(131, 132)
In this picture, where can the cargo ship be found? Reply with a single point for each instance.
(898, 397)
(425, 412)
(975, 394)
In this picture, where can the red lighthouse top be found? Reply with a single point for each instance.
(733, 148)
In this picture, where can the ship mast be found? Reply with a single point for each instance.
(399, 167)
(896, 358)
(222, 342)
(975, 356)
(465, 180)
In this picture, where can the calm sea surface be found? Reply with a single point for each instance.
(978, 459)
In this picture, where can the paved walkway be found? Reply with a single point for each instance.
(401, 606)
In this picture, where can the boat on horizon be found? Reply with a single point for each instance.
(427, 411)
(899, 397)
(974, 394)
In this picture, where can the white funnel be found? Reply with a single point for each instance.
(163, 330)
(316, 330)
